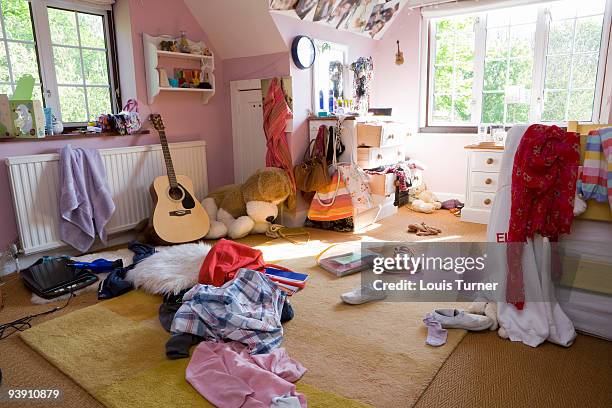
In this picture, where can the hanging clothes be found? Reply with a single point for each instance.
(276, 113)
(85, 201)
(596, 176)
(544, 176)
(538, 321)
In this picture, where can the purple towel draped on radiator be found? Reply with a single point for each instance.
(85, 201)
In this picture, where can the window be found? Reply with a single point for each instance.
(536, 63)
(329, 73)
(67, 51)
(17, 48)
(453, 70)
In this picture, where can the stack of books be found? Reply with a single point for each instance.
(288, 281)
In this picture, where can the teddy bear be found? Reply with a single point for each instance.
(237, 210)
(426, 202)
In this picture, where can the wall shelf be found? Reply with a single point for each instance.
(182, 55)
(152, 55)
(73, 135)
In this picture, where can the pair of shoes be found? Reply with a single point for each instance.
(455, 211)
(423, 229)
(364, 294)
(459, 319)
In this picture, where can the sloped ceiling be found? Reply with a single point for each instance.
(238, 28)
(364, 17)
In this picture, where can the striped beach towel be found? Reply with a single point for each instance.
(332, 202)
(596, 177)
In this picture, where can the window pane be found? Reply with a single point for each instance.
(580, 106)
(63, 26)
(557, 72)
(23, 60)
(95, 66)
(493, 108)
(464, 79)
(560, 37)
(91, 29)
(72, 104)
(497, 42)
(453, 73)
(99, 102)
(6, 89)
(588, 34)
(585, 70)
(442, 108)
(518, 113)
(521, 72)
(67, 65)
(554, 105)
(462, 108)
(17, 19)
(495, 75)
(443, 80)
(4, 72)
(574, 71)
(522, 40)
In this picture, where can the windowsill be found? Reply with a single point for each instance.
(72, 135)
(449, 129)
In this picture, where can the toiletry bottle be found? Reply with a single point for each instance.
(321, 100)
(331, 101)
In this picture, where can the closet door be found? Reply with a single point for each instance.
(248, 136)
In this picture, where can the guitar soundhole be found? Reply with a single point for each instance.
(176, 193)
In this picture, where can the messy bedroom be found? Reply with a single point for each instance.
(306, 203)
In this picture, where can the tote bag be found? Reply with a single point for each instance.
(332, 202)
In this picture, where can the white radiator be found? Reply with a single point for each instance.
(130, 171)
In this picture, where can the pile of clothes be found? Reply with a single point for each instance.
(235, 315)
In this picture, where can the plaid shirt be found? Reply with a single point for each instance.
(246, 309)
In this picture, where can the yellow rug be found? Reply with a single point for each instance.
(373, 354)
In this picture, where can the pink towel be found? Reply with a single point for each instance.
(228, 376)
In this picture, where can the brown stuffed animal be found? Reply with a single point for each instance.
(237, 210)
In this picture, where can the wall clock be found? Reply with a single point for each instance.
(303, 51)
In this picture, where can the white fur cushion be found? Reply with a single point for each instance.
(171, 269)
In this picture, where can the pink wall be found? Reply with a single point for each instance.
(185, 117)
(259, 67)
(398, 86)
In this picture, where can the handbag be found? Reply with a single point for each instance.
(333, 201)
(311, 174)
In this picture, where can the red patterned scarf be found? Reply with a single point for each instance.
(543, 189)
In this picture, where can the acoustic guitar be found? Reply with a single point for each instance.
(178, 217)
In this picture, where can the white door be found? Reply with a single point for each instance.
(247, 129)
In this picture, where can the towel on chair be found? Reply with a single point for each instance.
(85, 201)
(596, 177)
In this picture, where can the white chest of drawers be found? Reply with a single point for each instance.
(482, 182)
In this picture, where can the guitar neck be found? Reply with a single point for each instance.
(167, 159)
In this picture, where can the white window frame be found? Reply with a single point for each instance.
(315, 74)
(601, 106)
(40, 21)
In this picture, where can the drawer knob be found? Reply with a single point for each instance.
(489, 161)
(487, 201)
(488, 181)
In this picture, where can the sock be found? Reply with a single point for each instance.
(436, 335)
